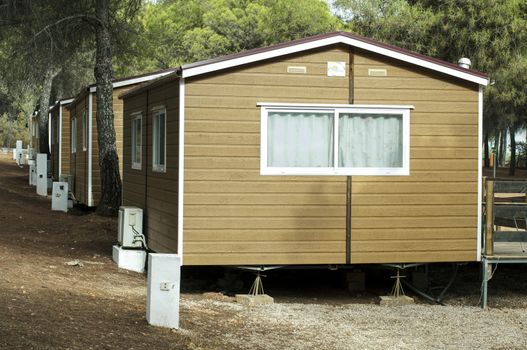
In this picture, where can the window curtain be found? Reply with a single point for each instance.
(300, 139)
(370, 140)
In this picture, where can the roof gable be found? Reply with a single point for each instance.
(318, 41)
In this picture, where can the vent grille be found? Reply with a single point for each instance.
(377, 72)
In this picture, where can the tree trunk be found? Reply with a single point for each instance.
(43, 110)
(512, 166)
(500, 150)
(108, 158)
(486, 150)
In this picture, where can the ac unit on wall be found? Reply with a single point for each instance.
(130, 227)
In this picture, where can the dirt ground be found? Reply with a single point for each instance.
(47, 304)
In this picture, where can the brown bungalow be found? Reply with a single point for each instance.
(59, 121)
(334, 149)
(84, 159)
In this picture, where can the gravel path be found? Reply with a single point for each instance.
(356, 326)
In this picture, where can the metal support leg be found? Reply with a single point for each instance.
(484, 283)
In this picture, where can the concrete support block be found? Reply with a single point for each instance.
(162, 297)
(32, 174)
(249, 299)
(59, 197)
(129, 259)
(18, 154)
(356, 281)
(389, 300)
(42, 174)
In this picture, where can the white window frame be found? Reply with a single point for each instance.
(161, 168)
(134, 118)
(85, 131)
(74, 135)
(336, 109)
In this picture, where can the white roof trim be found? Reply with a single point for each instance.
(321, 105)
(338, 39)
(65, 102)
(136, 80)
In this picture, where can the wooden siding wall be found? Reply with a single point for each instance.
(55, 115)
(134, 179)
(160, 200)
(34, 134)
(430, 215)
(65, 142)
(79, 160)
(232, 214)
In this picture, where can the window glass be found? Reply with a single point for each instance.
(136, 142)
(161, 123)
(370, 140)
(159, 142)
(300, 139)
(315, 139)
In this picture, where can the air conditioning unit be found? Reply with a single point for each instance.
(67, 178)
(130, 227)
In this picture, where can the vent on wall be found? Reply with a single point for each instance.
(377, 72)
(297, 69)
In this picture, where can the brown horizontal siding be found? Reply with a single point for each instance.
(159, 199)
(162, 199)
(54, 151)
(133, 179)
(410, 219)
(204, 257)
(332, 211)
(65, 141)
(226, 197)
(417, 256)
(78, 160)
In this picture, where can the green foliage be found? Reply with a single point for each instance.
(396, 22)
(492, 33)
(12, 129)
(179, 31)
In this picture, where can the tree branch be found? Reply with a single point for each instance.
(92, 20)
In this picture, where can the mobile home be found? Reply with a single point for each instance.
(84, 156)
(59, 121)
(334, 149)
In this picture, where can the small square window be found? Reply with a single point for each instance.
(136, 141)
(159, 140)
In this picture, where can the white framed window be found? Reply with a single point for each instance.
(136, 140)
(159, 139)
(84, 131)
(74, 135)
(315, 139)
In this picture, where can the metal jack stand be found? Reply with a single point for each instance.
(397, 289)
(257, 287)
